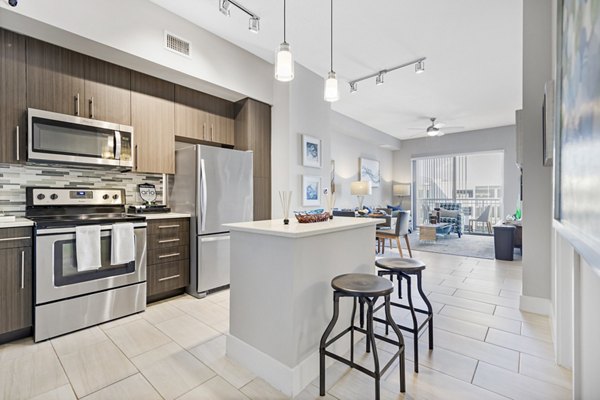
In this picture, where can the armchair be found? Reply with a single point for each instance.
(455, 219)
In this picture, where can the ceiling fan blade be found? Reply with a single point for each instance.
(454, 127)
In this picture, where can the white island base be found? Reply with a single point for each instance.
(281, 298)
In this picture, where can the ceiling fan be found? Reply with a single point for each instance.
(435, 129)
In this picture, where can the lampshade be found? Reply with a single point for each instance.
(360, 188)
(284, 63)
(401, 189)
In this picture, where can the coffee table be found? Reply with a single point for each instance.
(430, 231)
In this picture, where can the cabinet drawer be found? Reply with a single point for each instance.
(169, 228)
(160, 242)
(168, 254)
(15, 237)
(168, 276)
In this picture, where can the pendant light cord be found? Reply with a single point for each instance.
(284, 40)
(331, 61)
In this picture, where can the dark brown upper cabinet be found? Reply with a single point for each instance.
(55, 78)
(153, 119)
(203, 117)
(67, 82)
(13, 120)
(107, 92)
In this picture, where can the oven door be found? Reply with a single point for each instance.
(56, 265)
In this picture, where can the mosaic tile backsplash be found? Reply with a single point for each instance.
(15, 178)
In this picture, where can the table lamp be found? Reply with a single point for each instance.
(360, 189)
(401, 190)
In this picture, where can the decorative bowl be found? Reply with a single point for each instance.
(304, 218)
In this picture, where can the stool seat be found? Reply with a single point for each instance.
(406, 265)
(362, 285)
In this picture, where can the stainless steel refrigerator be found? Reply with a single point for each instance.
(214, 185)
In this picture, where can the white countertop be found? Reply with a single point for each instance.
(275, 227)
(169, 215)
(19, 221)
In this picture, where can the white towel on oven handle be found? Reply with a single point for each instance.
(87, 247)
(122, 244)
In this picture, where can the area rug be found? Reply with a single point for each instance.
(479, 246)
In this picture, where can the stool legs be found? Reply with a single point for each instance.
(429, 309)
(413, 314)
(322, 345)
(390, 320)
(370, 338)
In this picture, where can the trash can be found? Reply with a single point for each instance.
(504, 242)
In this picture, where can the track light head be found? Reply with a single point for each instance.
(353, 87)
(225, 7)
(254, 24)
(420, 67)
(379, 79)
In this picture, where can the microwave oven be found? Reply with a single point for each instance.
(60, 138)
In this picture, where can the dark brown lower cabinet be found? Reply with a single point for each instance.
(168, 257)
(16, 283)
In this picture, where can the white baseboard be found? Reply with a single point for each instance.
(536, 305)
(290, 381)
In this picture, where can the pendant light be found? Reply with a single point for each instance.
(284, 61)
(331, 84)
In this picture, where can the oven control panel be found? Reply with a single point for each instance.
(75, 196)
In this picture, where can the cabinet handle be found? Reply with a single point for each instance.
(169, 277)
(212, 133)
(15, 238)
(92, 107)
(169, 255)
(135, 164)
(23, 269)
(203, 130)
(168, 226)
(18, 149)
(168, 240)
(77, 104)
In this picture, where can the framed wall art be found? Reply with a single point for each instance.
(369, 171)
(576, 163)
(311, 151)
(311, 190)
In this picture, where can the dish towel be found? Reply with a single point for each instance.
(122, 244)
(87, 247)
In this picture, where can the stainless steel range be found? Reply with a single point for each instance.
(68, 298)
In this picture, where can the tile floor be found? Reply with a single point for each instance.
(484, 349)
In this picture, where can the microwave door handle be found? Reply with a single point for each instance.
(203, 194)
(117, 145)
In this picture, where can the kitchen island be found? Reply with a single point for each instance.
(281, 296)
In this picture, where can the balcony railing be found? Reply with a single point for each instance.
(470, 207)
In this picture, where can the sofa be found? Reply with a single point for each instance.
(451, 213)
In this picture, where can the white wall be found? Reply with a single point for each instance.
(130, 33)
(298, 108)
(501, 138)
(351, 140)
(537, 179)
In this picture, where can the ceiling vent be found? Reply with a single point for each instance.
(177, 44)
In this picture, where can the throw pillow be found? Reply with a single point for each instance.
(448, 213)
(395, 208)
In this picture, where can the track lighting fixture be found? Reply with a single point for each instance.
(284, 60)
(419, 68)
(331, 84)
(253, 22)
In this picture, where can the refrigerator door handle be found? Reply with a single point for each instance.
(203, 195)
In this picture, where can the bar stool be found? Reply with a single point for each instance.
(368, 288)
(405, 268)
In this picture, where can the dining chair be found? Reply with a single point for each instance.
(483, 217)
(401, 230)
